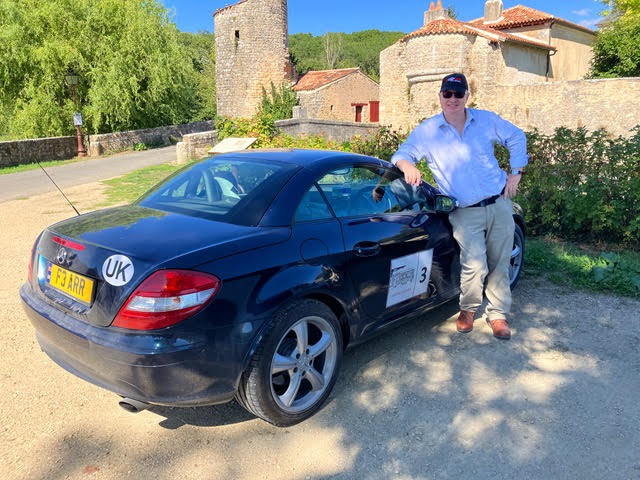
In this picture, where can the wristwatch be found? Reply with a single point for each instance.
(516, 171)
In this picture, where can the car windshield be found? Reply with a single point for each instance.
(231, 190)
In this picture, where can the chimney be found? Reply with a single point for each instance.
(435, 13)
(492, 11)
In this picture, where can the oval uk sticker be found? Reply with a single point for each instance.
(117, 270)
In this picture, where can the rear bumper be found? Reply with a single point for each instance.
(167, 368)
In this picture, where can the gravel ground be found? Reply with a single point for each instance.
(558, 401)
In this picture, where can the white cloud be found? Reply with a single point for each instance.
(582, 13)
(590, 23)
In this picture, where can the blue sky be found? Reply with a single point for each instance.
(319, 17)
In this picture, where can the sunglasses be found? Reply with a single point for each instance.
(449, 93)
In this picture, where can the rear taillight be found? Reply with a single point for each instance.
(165, 298)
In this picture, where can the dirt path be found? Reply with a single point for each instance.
(560, 400)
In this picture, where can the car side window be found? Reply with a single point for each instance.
(312, 207)
(368, 190)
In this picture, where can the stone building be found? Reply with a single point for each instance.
(344, 94)
(251, 38)
(516, 46)
(252, 51)
(572, 42)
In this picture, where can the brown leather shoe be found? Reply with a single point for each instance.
(500, 328)
(464, 324)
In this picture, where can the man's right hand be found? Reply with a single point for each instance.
(411, 174)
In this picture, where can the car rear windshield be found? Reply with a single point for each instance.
(230, 190)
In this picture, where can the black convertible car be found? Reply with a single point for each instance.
(243, 276)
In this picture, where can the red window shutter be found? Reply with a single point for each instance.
(374, 111)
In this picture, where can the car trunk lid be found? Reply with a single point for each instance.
(89, 265)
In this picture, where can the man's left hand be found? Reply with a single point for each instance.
(511, 188)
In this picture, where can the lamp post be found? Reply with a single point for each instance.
(71, 79)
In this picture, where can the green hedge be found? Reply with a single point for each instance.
(582, 186)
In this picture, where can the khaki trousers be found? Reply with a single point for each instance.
(485, 236)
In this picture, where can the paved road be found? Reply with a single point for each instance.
(33, 182)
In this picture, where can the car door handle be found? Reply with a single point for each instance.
(366, 249)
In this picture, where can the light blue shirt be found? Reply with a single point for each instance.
(464, 166)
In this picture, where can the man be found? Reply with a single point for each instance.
(458, 146)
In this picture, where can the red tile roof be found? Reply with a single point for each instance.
(445, 25)
(319, 78)
(449, 25)
(521, 16)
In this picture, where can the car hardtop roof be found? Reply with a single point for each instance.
(295, 156)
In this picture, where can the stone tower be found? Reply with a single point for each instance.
(252, 50)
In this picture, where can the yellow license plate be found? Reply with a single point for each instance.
(74, 285)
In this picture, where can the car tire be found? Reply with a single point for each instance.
(517, 257)
(295, 366)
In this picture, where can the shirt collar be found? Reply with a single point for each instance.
(443, 122)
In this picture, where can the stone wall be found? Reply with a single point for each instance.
(19, 152)
(331, 130)
(195, 145)
(159, 136)
(612, 104)
(334, 101)
(252, 50)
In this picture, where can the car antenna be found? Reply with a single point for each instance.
(65, 197)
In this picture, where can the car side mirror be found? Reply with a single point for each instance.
(444, 204)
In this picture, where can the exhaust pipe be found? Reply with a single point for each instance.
(133, 406)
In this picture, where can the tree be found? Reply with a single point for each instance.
(279, 104)
(132, 67)
(201, 49)
(332, 48)
(616, 51)
(628, 8)
(359, 49)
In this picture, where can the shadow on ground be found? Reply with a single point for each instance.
(557, 401)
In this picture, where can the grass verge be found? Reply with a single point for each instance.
(583, 266)
(129, 187)
(34, 166)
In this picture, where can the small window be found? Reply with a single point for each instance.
(312, 207)
(237, 38)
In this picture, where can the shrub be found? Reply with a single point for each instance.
(261, 127)
(279, 105)
(383, 144)
(582, 186)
